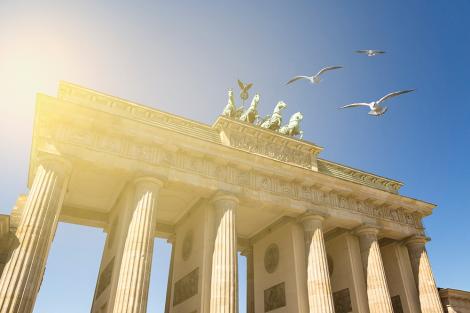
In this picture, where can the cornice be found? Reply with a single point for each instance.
(154, 153)
(131, 110)
(243, 136)
(358, 176)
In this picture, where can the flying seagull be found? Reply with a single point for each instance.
(315, 79)
(375, 108)
(370, 53)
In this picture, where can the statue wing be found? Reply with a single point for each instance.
(248, 86)
(240, 84)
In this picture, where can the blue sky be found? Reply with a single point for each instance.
(181, 56)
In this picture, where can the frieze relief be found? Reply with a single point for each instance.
(272, 150)
(242, 140)
(182, 160)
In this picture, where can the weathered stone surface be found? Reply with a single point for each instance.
(342, 301)
(187, 245)
(396, 304)
(429, 299)
(255, 178)
(105, 278)
(134, 274)
(271, 258)
(224, 283)
(22, 275)
(377, 290)
(320, 297)
(275, 297)
(186, 287)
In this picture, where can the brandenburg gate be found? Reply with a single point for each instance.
(317, 236)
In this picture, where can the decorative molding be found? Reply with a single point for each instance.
(66, 132)
(271, 258)
(267, 143)
(357, 176)
(275, 297)
(342, 301)
(186, 287)
(241, 135)
(102, 102)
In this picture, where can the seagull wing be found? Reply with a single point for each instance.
(242, 86)
(379, 51)
(296, 78)
(394, 94)
(353, 105)
(248, 86)
(328, 68)
(362, 51)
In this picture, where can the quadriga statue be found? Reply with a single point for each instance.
(230, 108)
(293, 128)
(251, 114)
(274, 121)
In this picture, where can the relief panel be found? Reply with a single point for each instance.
(342, 301)
(186, 287)
(275, 297)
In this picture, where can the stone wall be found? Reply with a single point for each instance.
(280, 271)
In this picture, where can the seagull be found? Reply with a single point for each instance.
(375, 108)
(370, 53)
(315, 79)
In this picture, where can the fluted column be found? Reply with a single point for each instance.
(378, 294)
(23, 272)
(320, 297)
(250, 280)
(224, 284)
(429, 299)
(134, 273)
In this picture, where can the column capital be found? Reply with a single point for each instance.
(367, 230)
(224, 200)
(151, 182)
(416, 240)
(56, 163)
(312, 220)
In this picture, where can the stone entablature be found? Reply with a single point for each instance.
(119, 107)
(231, 174)
(267, 143)
(455, 301)
(57, 125)
(241, 135)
